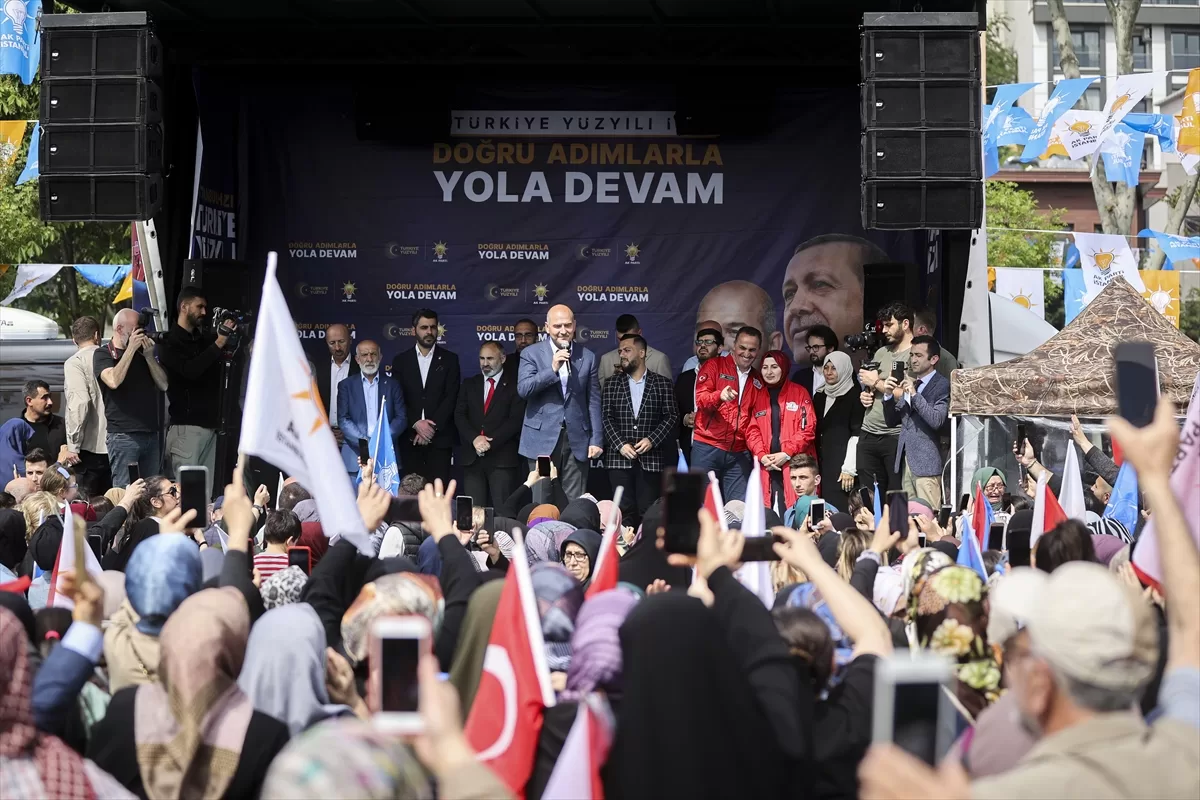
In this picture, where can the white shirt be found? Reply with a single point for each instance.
(423, 364)
(818, 379)
(637, 388)
(371, 396)
(563, 371)
(742, 380)
(337, 374)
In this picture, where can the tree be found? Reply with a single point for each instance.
(1115, 202)
(1011, 213)
(24, 238)
(1001, 58)
(1189, 315)
(1179, 201)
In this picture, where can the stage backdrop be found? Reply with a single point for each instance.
(544, 195)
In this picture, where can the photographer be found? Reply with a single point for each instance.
(130, 379)
(192, 358)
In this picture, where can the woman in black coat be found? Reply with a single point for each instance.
(841, 416)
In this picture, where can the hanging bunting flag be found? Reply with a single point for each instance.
(994, 116)
(1080, 132)
(20, 38)
(1162, 292)
(1160, 126)
(29, 277)
(12, 132)
(1188, 136)
(1127, 92)
(1175, 248)
(1104, 256)
(31, 170)
(991, 156)
(1066, 93)
(1015, 127)
(1122, 154)
(1075, 294)
(1024, 287)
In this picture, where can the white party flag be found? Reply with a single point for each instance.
(66, 561)
(1104, 256)
(284, 422)
(29, 277)
(756, 575)
(1071, 491)
(1022, 286)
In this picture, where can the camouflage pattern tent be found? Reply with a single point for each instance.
(1072, 372)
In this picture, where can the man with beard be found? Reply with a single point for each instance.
(878, 442)
(639, 413)
(330, 374)
(823, 285)
(723, 385)
(488, 416)
(561, 387)
(191, 358)
(525, 333)
(429, 376)
(821, 342)
(707, 345)
(359, 399)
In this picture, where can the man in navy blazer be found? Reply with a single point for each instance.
(358, 401)
(920, 405)
(561, 387)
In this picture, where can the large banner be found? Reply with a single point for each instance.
(537, 196)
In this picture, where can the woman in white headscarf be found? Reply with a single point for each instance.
(841, 417)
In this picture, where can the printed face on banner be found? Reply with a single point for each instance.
(607, 213)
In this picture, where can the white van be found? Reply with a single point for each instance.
(31, 347)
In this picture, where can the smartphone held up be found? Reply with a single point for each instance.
(396, 645)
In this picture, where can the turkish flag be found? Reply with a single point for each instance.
(713, 501)
(1054, 512)
(981, 520)
(577, 772)
(514, 690)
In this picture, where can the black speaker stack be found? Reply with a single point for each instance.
(922, 160)
(101, 155)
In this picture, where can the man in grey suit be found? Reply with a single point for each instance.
(610, 362)
(561, 387)
(919, 405)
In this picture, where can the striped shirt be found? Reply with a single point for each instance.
(268, 564)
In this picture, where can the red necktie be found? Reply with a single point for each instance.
(487, 401)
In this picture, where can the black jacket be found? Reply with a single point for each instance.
(685, 401)
(192, 362)
(502, 422)
(436, 399)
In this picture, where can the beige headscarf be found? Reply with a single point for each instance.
(132, 656)
(190, 727)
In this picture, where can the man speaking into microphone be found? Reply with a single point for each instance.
(561, 387)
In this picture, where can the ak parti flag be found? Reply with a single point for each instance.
(514, 689)
(1187, 140)
(604, 577)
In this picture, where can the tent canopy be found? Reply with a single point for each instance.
(1072, 372)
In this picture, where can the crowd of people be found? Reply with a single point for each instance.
(205, 661)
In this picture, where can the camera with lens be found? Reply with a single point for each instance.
(145, 321)
(870, 339)
(232, 323)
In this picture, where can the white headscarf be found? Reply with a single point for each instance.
(845, 381)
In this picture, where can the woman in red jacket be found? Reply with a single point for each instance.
(780, 422)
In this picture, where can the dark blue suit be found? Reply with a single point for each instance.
(352, 415)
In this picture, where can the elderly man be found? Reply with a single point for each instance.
(329, 374)
(740, 304)
(131, 381)
(359, 399)
(87, 429)
(488, 416)
(823, 285)
(561, 387)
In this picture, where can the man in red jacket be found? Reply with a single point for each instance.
(723, 384)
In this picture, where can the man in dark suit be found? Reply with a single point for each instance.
(639, 412)
(329, 374)
(559, 382)
(359, 399)
(429, 377)
(525, 333)
(821, 342)
(489, 414)
(920, 405)
(707, 344)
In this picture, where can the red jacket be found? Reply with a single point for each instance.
(797, 429)
(718, 423)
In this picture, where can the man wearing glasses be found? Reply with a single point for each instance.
(821, 342)
(707, 344)
(525, 333)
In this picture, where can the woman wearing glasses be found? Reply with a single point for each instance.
(161, 498)
(579, 552)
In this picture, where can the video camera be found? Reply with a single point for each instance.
(871, 338)
(239, 330)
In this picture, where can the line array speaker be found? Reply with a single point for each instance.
(921, 148)
(101, 152)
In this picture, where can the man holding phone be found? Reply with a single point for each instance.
(879, 441)
(919, 404)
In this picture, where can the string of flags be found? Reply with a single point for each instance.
(1115, 133)
(31, 276)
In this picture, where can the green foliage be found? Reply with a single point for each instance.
(1010, 207)
(25, 239)
(1056, 308)
(1189, 315)
(1001, 58)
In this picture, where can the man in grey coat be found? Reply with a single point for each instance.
(919, 405)
(559, 381)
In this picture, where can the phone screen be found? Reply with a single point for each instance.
(1021, 436)
(898, 512)
(683, 495)
(193, 494)
(544, 466)
(816, 513)
(1137, 382)
(135, 473)
(364, 450)
(915, 719)
(462, 512)
(489, 519)
(398, 674)
(300, 557)
(944, 516)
